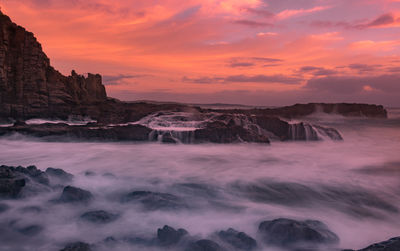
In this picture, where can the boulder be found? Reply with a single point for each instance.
(99, 216)
(204, 245)
(154, 200)
(77, 246)
(392, 244)
(286, 232)
(168, 236)
(72, 194)
(59, 173)
(11, 184)
(239, 240)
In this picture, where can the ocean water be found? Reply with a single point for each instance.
(353, 186)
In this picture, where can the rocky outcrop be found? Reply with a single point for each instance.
(238, 240)
(72, 194)
(99, 216)
(31, 87)
(390, 245)
(302, 110)
(287, 232)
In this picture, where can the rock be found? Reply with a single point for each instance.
(167, 138)
(239, 240)
(168, 236)
(390, 245)
(60, 174)
(3, 207)
(220, 132)
(99, 216)
(302, 110)
(287, 232)
(31, 230)
(10, 183)
(72, 194)
(155, 201)
(77, 246)
(204, 245)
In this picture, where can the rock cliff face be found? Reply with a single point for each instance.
(31, 87)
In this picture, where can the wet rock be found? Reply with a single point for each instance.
(221, 132)
(155, 201)
(77, 246)
(59, 174)
(34, 173)
(3, 207)
(167, 138)
(99, 216)
(287, 232)
(72, 194)
(10, 183)
(239, 240)
(204, 245)
(31, 230)
(392, 244)
(168, 236)
(90, 173)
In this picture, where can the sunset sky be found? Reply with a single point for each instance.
(259, 52)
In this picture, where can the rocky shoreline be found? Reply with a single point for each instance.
(20, 183)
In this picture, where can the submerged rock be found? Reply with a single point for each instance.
(239, 240)
(155, 201)
(3, 207)
(287, 232)
(204, 245)
(77, 246)
(392, 244)
(72, 194)
(168, 236)
(99, 216)
(59, 174)
(31, 230)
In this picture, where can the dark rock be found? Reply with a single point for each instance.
(59, 174)
(77, 246)
(238, 240)
(220, 132)
(72, 194)
(168, 236)
(204, 245)
(389, 245)
(3, 207)
(287, 232)
(155, 201)
(90, 173)
(31, 230)
(10, 183)
(167, 138)
(302, 110)
(99, 216)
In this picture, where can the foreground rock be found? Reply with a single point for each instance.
(238, 240)
(77, 246)
(389, 245)
(72, 194)
(20, 181)
(154, 200)
(99, 216)
(286, 232)
(168, 236)
(204, 245)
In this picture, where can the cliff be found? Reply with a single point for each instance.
(31, 87)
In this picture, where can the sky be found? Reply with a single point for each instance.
(254, 52)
